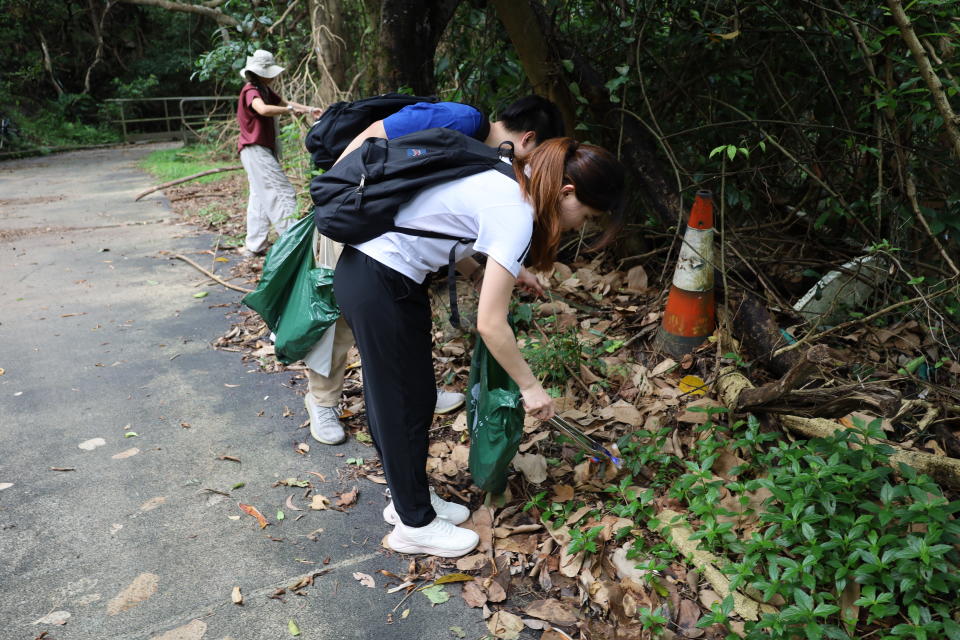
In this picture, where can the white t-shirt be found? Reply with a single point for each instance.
(487, 206)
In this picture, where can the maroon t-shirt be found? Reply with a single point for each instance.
(255, 128)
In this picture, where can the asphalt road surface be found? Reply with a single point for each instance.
(115, 413)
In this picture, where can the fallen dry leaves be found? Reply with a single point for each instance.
(253, 511)
(365, 579)
(594, 595)
(319, 502)
(506, 625)
(347, 498)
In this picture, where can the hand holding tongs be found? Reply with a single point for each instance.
(585, 442)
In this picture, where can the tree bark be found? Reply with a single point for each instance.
(327, 28)
(760, 335)
(409, 31)
(639, 148)
(539, 63)
(950, 119)
(208, 12)
(48, 64)
(97, 22)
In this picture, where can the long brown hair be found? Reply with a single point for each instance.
(595, 174)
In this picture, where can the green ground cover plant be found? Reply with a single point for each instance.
(172, 164)
(842, 546)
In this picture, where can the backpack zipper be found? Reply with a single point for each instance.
(359, 192)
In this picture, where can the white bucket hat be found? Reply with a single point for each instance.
(262, 64)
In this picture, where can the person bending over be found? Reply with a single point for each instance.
(380, 287)
(525, 123)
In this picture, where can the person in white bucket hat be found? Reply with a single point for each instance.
(272, 197)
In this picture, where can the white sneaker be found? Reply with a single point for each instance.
(325, 423)
(450, 511)
(439, 538)
(448, 401)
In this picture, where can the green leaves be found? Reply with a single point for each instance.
(614, 84)
(834, 516)
(436, 594)
(584, 539)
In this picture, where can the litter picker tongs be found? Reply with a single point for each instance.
(582, 440)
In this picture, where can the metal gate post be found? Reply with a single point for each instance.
(123, 123)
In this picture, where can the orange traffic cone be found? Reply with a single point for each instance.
(690, 316)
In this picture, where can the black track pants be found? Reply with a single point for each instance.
(390, 317)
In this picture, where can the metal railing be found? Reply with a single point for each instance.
(190, 114)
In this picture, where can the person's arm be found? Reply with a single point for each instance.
(270, 110)
(375, 130)
(498, 336)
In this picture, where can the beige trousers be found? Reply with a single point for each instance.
(327, 390)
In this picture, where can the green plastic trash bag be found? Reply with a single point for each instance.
(295, 297)
(495, 416)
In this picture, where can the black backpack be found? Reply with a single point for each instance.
(341, 122)
(358, 198)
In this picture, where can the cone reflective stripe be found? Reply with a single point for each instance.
(690, 315)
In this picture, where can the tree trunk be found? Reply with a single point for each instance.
(539, 63)
(48, 64)
(409, 31)
(327, 28)
(639, 148)
(97, 22)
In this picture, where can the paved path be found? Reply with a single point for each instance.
(100, 336)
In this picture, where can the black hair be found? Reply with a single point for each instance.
(256, 81)
(534, 113)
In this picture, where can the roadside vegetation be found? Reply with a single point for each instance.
(172, 164)
(71, 121)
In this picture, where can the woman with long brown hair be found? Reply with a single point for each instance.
(380, 287)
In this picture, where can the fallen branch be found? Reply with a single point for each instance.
(730, 384)
(782, 396)
(211, 276)
(172, 183)
(677, 532)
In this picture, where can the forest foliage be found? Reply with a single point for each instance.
(835, 124)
